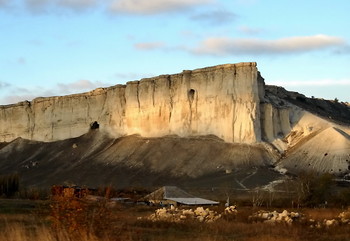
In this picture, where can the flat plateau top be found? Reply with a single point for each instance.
(99, 91)
(223, 66)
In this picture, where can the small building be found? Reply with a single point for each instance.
(172, 195)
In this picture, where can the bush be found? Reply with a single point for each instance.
(314, 190)
(9, 185)
(76, 215)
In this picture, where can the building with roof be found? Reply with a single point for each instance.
(172, 195)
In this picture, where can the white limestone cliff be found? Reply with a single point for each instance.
(222, 100)
(229, 101)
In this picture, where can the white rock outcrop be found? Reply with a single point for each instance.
(229, 101)
(222, 100)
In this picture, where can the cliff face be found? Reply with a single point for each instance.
(229, 101)
(55, 118)
(222, 100)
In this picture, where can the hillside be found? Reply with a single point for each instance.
(205, 127)
(96, 159)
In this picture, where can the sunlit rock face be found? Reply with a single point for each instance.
(57, 118)
(228, 101)
(275, 121)
(222, 100)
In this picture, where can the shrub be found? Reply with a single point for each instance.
(9, 185)
(313, 190)
(77, 215)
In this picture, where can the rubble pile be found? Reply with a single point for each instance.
(201, 214)
(342, 219)
(231, 210)
(345, 217)
(173, 214)
(275, 217)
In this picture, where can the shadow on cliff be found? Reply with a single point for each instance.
(95, 159)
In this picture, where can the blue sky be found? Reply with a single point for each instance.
(59, 47)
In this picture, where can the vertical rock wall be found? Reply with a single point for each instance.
(222, 100)
(275, 122)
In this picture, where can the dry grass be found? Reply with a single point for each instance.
(122, 223)
(19, 232)
(223, 231)
(322, 213)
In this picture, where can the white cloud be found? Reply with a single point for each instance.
(149, 45)
(322, 82)
(229, 46)
(154, 6)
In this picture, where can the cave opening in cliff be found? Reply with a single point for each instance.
(94, 125)
(191, 93)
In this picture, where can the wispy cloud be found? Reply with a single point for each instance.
(36, 5)
(229, 46)
(149, 45)
(35, 42)
(137, 7)
(247, 2)
(132, 76)
(215, 17)
(343, 50)
(4, 85)
(29, 93)
(4, 3)
(79, 86)
(249, 30)
(46, 6)
(19, 94)
(12, 99)
(154, 6)
(322, 82)
(77, 4)
(189, 34)
(21, 60)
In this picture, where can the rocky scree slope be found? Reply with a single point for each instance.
(96, 159)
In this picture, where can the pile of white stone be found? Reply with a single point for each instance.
(200, 214)
(342, 219)
(275, 217)
(231, 210)
(345, 217)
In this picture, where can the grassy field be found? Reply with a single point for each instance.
(25, 220)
